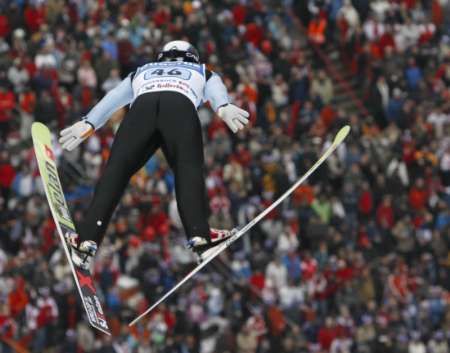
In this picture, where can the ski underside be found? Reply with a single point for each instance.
(61, 215)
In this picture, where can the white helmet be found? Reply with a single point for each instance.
(179, 50)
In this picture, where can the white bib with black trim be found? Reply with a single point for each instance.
(183, 77)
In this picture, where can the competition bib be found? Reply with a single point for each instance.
(182, 77)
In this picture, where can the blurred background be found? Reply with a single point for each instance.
(357, 260)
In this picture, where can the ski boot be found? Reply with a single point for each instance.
(204, 247)
(81, 253)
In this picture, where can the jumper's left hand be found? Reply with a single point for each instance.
(235, 117)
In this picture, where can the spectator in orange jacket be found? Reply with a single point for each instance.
(316, 30)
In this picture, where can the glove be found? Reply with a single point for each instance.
(233, 116)
(72, 136)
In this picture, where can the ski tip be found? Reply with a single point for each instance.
(342, 134)
(38, 125)
(132, 323)
(39, 129)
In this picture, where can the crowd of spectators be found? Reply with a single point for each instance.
(356, 261)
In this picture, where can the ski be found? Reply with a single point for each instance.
(61, 215)
(339, 138)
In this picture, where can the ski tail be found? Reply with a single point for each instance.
(55, 196)
(339, 138)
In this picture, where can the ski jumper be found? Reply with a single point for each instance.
(164, 98)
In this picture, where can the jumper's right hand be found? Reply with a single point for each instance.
(72, 136)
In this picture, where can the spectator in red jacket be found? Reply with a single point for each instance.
(365, 203)
(4, 26)
(385, 213)
(386, 40)
(254, 34)
(34, 16)
(418, 195)
(7, 175)
(7, 104)
(327, 334)
(239, 14)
